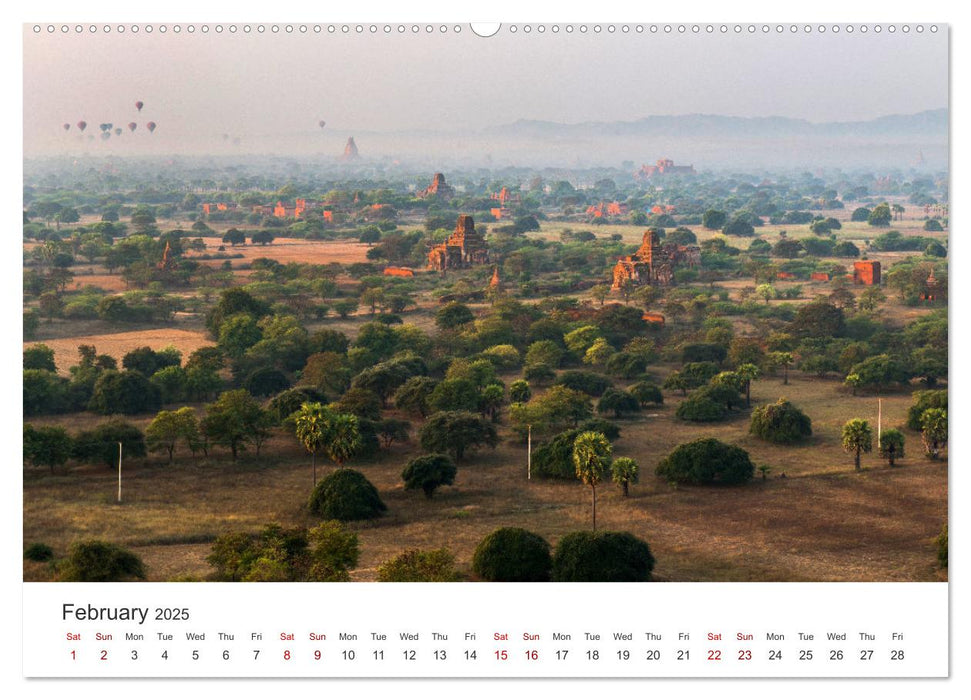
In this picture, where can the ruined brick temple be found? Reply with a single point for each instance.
(866, 272)
(654, 263)
(464, 248)
(438, 189)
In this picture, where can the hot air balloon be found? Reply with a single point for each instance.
(67, 127)
(105, 135)
(118, 131)
(151, 126)
(132, 126)
(321, 123)
(82, 125)
(139, 105)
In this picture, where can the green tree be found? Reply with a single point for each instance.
(413, 395)
(857, 438)
(169, 427)
(646, 393)
(892, 445)
(238, 334)
(933, 424)
(598, 353)
(591, 457)
(39, 356)
(47, 446)
(126, 392)
(455, 432)
(101, 443)
(234, 237)
(624, 471)
(236, 419)
(310, 426)
(453, 315)
(428, 472)
(512, 554)
(880, 215)
(714, 219)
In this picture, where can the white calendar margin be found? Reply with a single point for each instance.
(378, 10)
(264, 630)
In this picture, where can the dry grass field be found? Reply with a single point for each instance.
(118, 344)
(822, 521)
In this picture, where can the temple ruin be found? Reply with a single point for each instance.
(654, 263)
(439, 189)
(464, 248)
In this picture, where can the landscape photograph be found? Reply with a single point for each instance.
(401, 303)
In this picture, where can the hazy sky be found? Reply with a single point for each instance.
(201, 86)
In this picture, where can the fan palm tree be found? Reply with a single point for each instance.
(857, 438)
(591, 456)
(310, 427)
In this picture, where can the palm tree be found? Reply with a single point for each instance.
(591, 455)
(782, 359)
(933, 423)
(623, 471)
(892, 445)
(857, 437)
(310, 426)
(898, 211)
(342, 438)
(748, 372)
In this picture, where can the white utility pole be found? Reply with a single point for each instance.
(529, 452)
(879, 421)
(119, 472)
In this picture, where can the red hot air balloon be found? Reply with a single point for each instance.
(132, 126)
(82, 125)
(139, 105)
(151, 126)
(67, 127)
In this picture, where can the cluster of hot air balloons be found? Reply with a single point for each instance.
(107, 127)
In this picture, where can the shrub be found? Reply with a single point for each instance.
(428, 472)
(602, 556)
(266, 381)
(704, 352)
(512, 554)
(706, 461)
(39, 552)
(101, 561)
(345, 495)
(780, 422)
(700, 407)
(419, 566)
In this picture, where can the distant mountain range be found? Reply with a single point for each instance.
(929, 124)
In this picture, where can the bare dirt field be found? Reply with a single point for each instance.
(286, 250)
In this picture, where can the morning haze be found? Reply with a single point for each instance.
(450, 97)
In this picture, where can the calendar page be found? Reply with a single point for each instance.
(515, 350)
